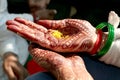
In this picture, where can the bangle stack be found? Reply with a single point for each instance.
(109, 40)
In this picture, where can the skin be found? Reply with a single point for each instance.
(38, 4)
(13, 68)
(39, 9)
(11, 64)
(45, 14)
(82, 35)
(52, 60)
(63, 67)
(66, 66)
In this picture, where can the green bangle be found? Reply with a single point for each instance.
(109, 40)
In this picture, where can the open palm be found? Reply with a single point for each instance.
(67, 35)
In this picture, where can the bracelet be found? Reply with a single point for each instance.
(109, 40)
(97, 43)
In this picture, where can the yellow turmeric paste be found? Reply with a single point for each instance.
(58, 34)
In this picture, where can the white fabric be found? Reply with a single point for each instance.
(112, 57)
(9, 41)
(3, 5)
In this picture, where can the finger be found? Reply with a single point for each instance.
(10, 73)
(79, 68)
(19, 71)
(52, 12)
(81, 25)
(52, 24)
(77, 61)
(23, 24)
(30, 24)
(48, 59)
(18, 27)
(32, 34)
(78, 65)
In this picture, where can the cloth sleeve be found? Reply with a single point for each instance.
(113, 55)
(3, 5)
(8, 45)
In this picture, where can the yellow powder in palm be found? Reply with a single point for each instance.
(58, 34)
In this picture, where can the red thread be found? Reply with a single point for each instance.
(97, 43)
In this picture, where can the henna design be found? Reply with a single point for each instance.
(69, 67)
(81, 35)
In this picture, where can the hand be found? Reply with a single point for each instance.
(39, 9)
(73, 35)
(13, 68)
(44, 14)
(68, 67)
(36, 5)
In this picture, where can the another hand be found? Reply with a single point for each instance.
(36, 5)
(67, 67)
(68, 35)
(39, 9)
(44, 14)
(13, 68)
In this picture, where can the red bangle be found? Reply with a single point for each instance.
(97, 43)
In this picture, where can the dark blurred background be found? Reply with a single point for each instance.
(94, 11)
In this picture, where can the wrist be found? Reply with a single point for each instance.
(107, 39)
(104, 38)
(97, 43)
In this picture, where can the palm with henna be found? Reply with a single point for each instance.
(68, 67)
(67, 35)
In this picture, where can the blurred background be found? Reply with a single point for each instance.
(95, 11)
